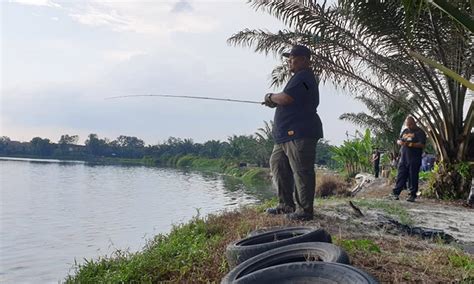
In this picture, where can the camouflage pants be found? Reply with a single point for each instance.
(292, 166)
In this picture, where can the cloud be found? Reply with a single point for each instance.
(122, 55)
(94, 16)
(59, 75)
(144, 17)
(47, 3)
(182, 6)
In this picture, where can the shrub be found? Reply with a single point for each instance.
(328, 185)
(185, 161)
(425, 176)
(255, 176)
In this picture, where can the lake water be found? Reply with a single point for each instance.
(53, 212)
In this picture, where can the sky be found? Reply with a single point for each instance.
(60, 59)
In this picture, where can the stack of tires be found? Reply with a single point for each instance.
(290, 255)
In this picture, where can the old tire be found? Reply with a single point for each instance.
(311, 251)
(308, 272)
(246, 248)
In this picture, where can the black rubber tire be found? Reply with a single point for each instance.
(308, 272)
(312, 251)
(239, 251)
(264, 230)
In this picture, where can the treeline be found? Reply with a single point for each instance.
(251, 149)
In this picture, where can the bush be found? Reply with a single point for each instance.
(185, 161)
(329, 185)
(234, 171)
(425, 176)
(205, 164)
(255, 176)
(150, 161)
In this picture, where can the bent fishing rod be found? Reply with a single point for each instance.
(186, 97)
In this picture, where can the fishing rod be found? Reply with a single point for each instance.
(185, 97)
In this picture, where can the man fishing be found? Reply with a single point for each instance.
(297, 128)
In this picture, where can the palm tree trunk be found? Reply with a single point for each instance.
(454, 175)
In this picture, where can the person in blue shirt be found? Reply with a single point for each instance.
(412, 140)
(297, 128)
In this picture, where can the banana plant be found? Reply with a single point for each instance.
(353, 156)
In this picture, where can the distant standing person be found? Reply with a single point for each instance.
(376, 162)
(297, 128)
(393, 160)
(412, 140)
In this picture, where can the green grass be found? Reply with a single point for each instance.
(195, 253)
(185, 161)
(463, 262)
(255, 176)
(204, 164)
(362, 245)
(460, 260)
(185, 248)
(330, 200)
(425, 176)
(267, 204)
(391, 208)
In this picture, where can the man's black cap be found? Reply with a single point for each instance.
(298, 50)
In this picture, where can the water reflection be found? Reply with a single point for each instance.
(52, 214)
(42, 161)
(260, 191)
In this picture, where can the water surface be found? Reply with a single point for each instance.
(53, 212)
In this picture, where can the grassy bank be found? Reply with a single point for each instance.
(249, 175)
(194, 252)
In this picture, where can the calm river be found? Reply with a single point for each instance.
(54, 213)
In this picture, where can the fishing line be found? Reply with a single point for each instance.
(186, 97)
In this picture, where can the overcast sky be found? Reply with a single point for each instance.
(60, 59)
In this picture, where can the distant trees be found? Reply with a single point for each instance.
(251, 149)
(41, 147)
(4, 141)
(128, 147)
(213, 149)
(243, 147)
(65, 141)
(265, 143)
(96, 146)
(324, 154)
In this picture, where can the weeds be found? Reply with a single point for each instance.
(364, 245)
(390, 208)
(329, 185)
(194, 253)
(460, 260)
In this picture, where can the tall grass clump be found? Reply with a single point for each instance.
(256, 176)
(330, 185)
(186, 161)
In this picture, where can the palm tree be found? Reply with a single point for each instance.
(367, 46)
(385, 119)
(265, 143)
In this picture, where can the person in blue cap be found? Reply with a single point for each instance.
(297, 128)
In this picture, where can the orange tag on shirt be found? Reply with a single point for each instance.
(291, 133)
